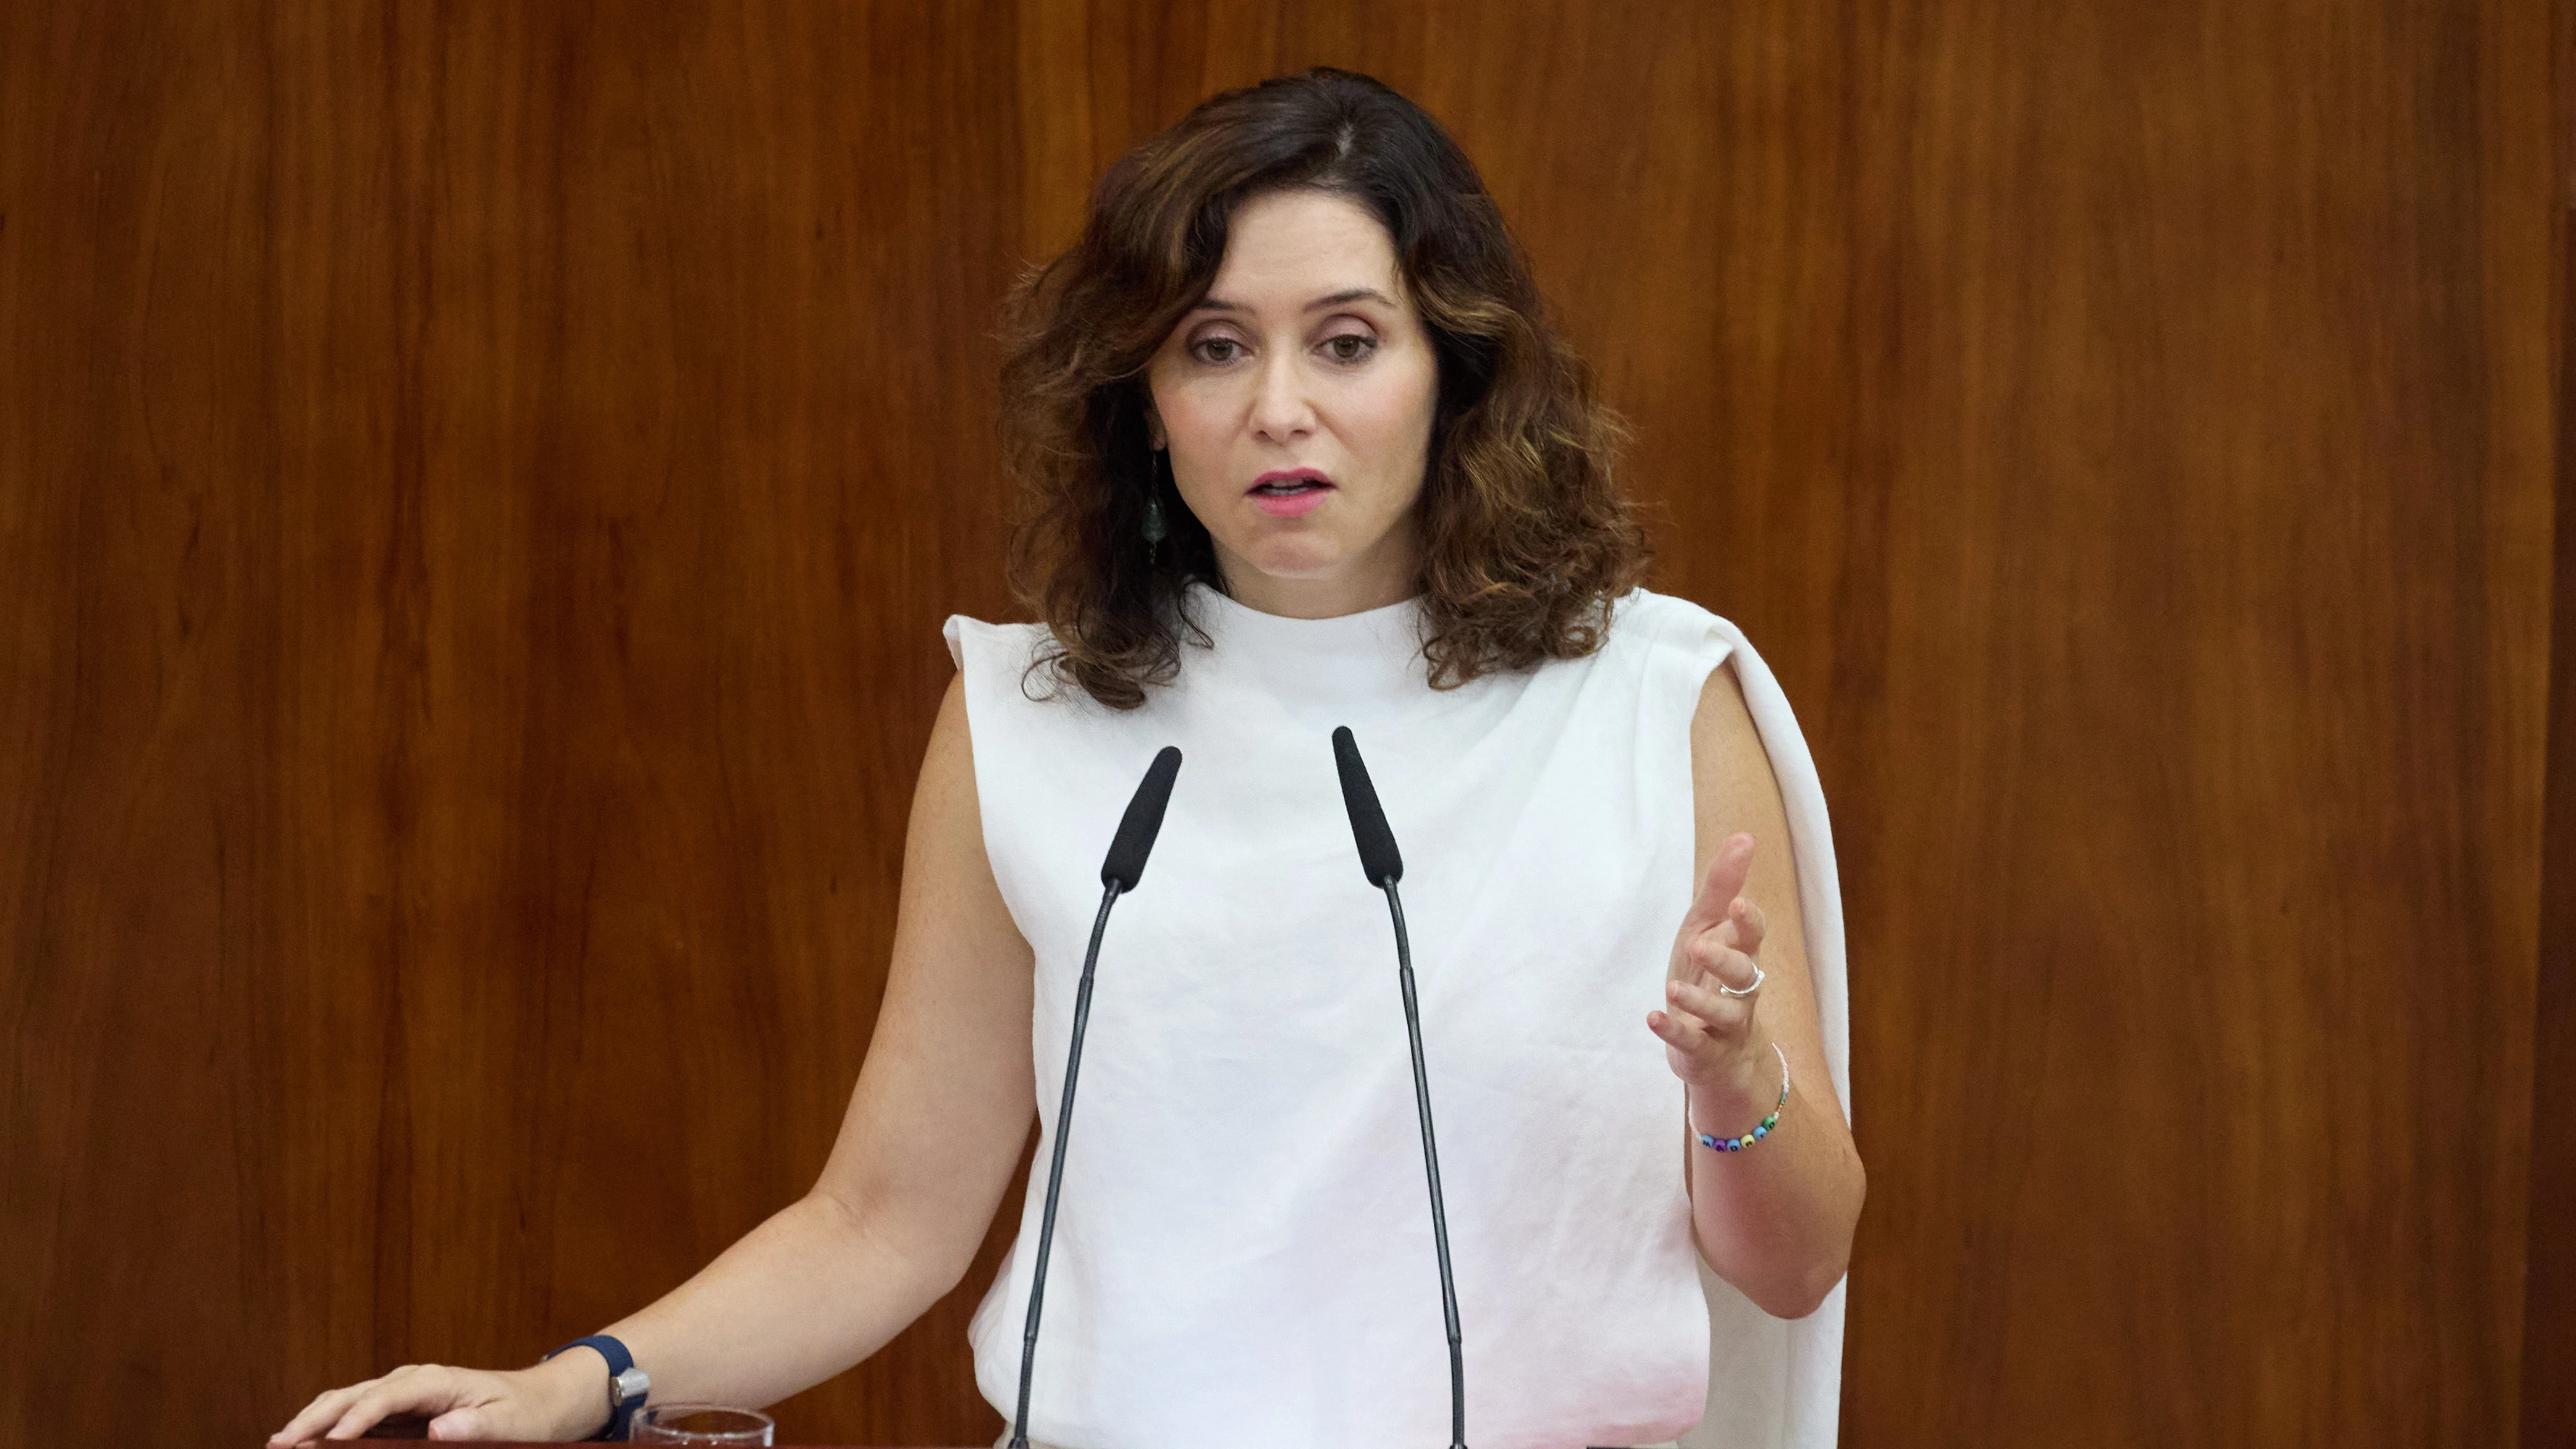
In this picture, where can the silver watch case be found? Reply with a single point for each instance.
(627, 1388)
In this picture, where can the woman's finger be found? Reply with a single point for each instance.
(1715, 963)
(1707, 1018)
(1726, 877)
(1746, 926)
(1731, 969)
(1678, 1031)
(1722, 1016)
(357, 1419)
(324, 1411)
(409, 1388)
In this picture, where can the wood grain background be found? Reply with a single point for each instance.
(479, 485)
(2549, 1278)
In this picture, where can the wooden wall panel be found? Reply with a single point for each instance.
(2549, 1281)
(485, 486)
(479, 485)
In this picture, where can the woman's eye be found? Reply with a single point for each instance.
(1218, 350)
(1350, 346)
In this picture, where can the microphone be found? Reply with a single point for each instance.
(1383, 864)
(1142, 822)
(1119, 874)
(1380, 861)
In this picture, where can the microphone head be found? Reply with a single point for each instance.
(1142, 822)
(1380, 861)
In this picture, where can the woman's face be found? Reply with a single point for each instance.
(1297, 401)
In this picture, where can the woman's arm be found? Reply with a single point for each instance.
(943, 1106)
(1777, 1219)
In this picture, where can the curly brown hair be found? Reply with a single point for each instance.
(1526, 540)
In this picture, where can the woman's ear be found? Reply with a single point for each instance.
(1154, 429)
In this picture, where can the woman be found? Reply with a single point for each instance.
(1305, 454)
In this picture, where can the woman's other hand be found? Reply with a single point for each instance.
(561, 1399)
(1713, 1040)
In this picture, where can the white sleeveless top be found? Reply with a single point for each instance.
(1243, 1254)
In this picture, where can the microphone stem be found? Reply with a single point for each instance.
(1431, 1166)
(1055, 1167)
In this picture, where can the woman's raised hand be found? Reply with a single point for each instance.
(560, 1399)
(1710, 1037)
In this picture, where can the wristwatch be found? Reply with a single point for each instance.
(627, 1384)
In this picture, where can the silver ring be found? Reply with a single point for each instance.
(1726, 990)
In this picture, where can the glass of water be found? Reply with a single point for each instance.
(711, 1424)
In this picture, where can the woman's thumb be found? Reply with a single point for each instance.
(458, 1424)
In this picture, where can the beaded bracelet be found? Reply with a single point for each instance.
(1761, 1130)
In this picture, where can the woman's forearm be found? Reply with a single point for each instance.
(801, 1297)
(1776, 1220)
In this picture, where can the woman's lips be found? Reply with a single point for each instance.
(1291, 492)
(1290, 497)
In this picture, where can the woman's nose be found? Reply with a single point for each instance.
(1280, 407)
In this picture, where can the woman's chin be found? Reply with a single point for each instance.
(1297, 561)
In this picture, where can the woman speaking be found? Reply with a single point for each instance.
(1302, 452)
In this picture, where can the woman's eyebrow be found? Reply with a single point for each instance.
(1353, 294)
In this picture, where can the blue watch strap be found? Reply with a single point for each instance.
(619, 1361)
